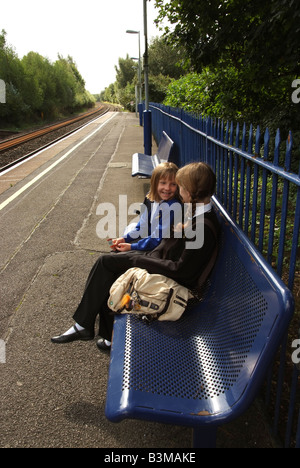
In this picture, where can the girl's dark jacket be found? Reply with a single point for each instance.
(172, 259)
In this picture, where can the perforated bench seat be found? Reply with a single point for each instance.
(204, 370)
(143, 165)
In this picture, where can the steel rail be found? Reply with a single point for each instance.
(27, 156)
(19, 140)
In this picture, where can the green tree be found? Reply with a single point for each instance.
(237, 30)
(163, 66)
(126, 96)
(158, 87)
(124, 87)
(109, 94)
(76, 83)
(40, 72)
(37, 88)
(164, 59)
(12, 73)
(126, 72)
(65, 85)
(251, 49)
(192, 93)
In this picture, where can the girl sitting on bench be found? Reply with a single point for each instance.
(148, 233)
(171, 258)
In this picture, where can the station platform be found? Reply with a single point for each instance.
(53, 396)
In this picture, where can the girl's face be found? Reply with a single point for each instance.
(185, 195)
(166, 189)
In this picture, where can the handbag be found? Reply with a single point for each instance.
(150, 296)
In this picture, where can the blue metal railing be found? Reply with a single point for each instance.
(261, 192)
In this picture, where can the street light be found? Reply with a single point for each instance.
(130, 31)
(147, 112)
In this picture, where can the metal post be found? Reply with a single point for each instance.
(136, 101)
(147, 112)
(140, 104)
(140, 70)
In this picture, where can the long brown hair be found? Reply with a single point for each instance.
(198, 179)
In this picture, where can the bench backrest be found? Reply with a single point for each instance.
(164, 148)
(207, 367)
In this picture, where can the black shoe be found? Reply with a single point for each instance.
(102, 345)
(83, 335)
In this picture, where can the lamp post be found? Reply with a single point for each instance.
(147, 112)
(130, 31)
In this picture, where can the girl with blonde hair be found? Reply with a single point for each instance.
(149, 231)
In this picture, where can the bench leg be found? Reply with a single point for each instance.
(205, 437)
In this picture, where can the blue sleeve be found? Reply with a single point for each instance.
(130, 235)
(141, 227)
(161, 227)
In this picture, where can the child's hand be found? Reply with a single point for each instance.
(122, 247)
(115, 242)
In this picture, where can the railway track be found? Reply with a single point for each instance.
(19, 140)
(13, 143)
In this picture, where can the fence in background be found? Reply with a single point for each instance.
(258, 182)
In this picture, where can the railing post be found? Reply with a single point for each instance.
(148, 132)
(141, 109)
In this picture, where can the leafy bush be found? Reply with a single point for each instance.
(37, 88)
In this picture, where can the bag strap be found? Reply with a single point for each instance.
(141, 302)
(207, 270)
(148, 318)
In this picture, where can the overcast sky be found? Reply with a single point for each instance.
(93, 32)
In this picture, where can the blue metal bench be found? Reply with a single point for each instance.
(204, 370)
(143, 165)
